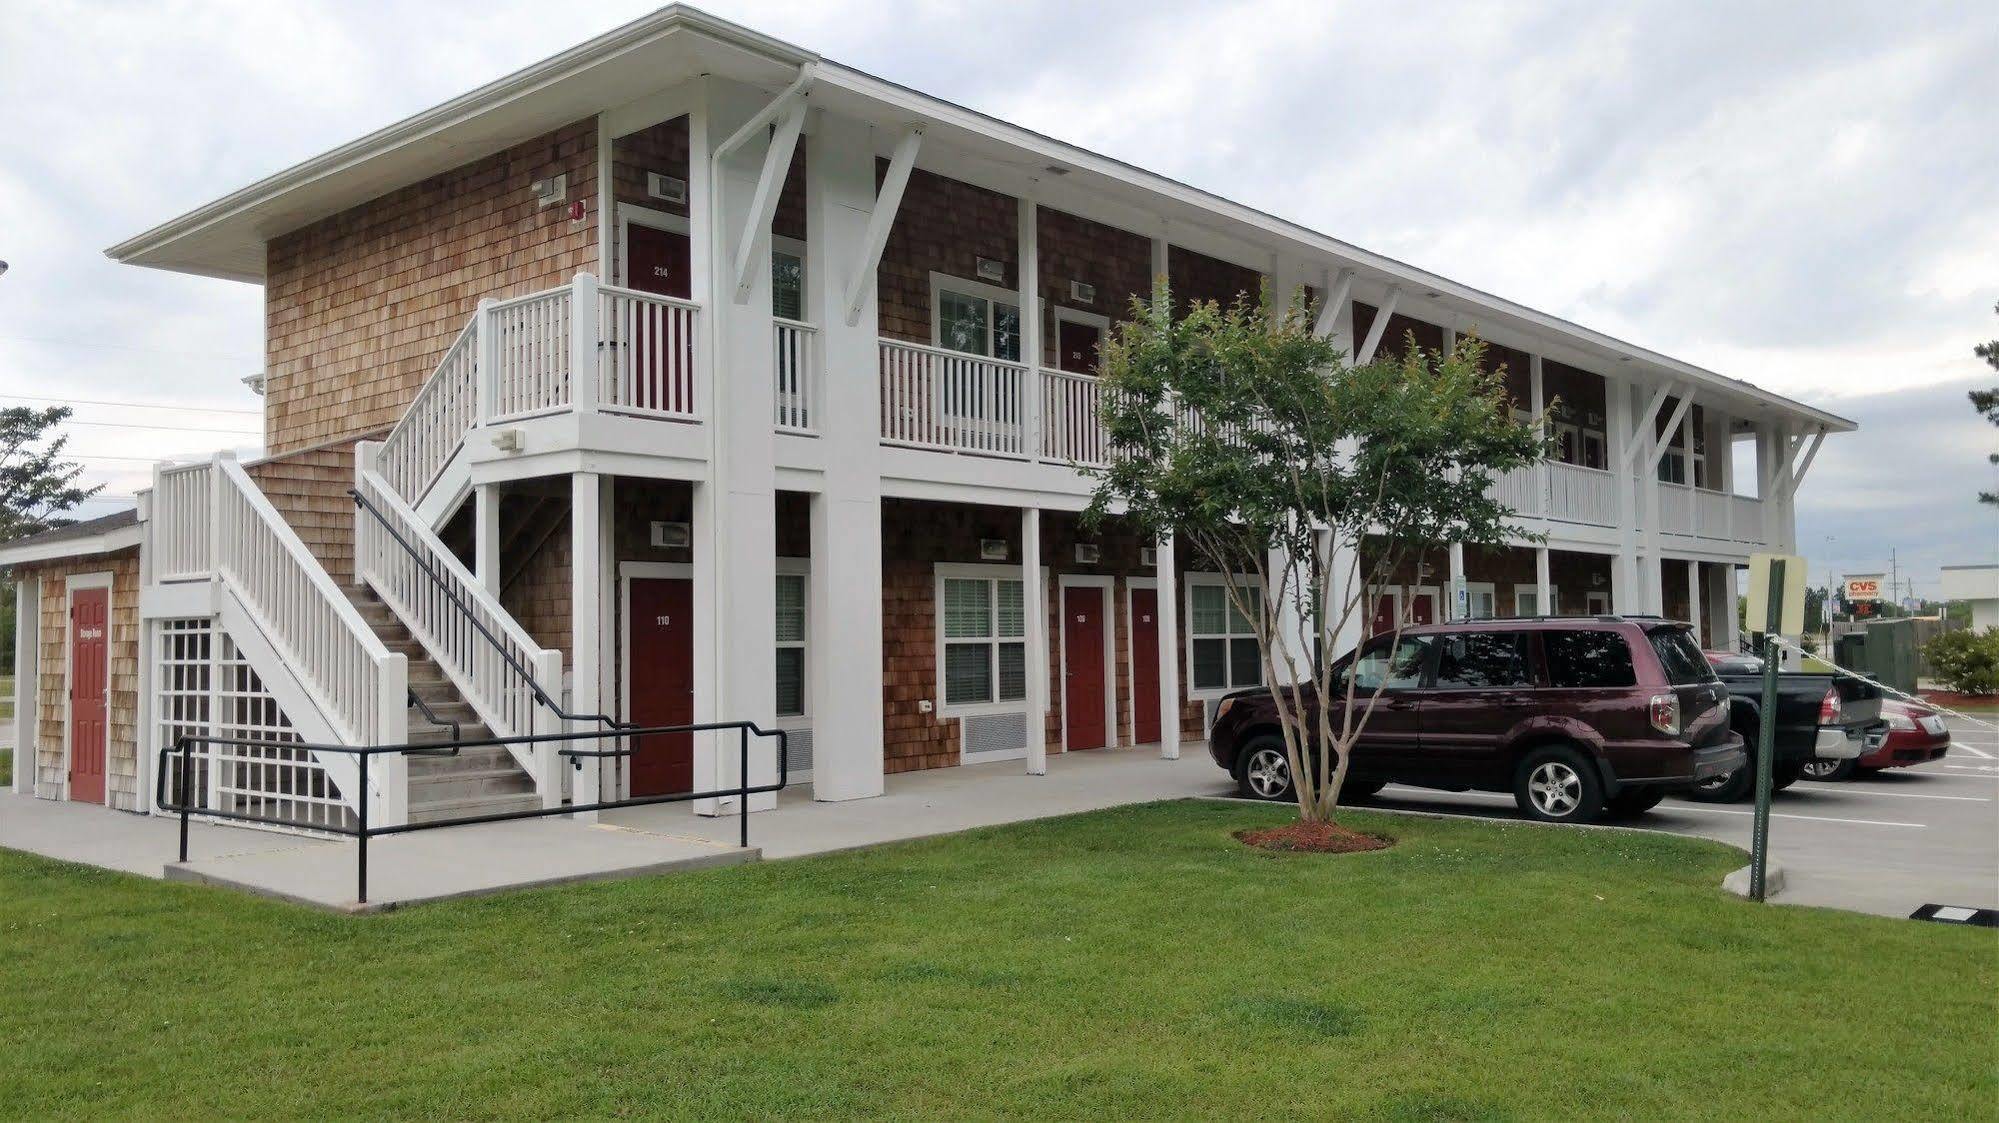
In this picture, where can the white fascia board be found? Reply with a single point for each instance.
(123, 538)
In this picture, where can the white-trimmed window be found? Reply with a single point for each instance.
(976, 318)
(1221, 642)
(983, 635)
(793, 624)
(1481, 600)
(1527, 601)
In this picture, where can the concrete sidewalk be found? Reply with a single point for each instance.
(402, 869)
(947, 800)
(493, 857)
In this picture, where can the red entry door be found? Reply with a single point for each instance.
(1076, 346)
(1145, 666)
(656, 368)
(1083, 651)
(1422, 610)
(90, 672)
(661, 626)
(658, 261)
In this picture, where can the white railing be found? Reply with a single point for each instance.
(181, 539)
(1710, 514)
(528, 354)
(1582, 495)
(948, 400)
(796, 359)
(1676, 508)
(1745, 518)
(1072, 421)
(435, 424)
(358, 684)
(646, 353)
(1520, 489)
(485, 653)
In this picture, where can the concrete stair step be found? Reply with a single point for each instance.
(448, 787)
(462, 808)
(476, 758)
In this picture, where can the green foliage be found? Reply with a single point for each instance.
(1242, 430)
(1986, 402)
(1965, 661)
(37, 486)
(1247, 438)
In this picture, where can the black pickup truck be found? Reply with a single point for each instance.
(1826, 715)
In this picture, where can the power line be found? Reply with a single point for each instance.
(132, 405)
(244, 355)
(162, 428)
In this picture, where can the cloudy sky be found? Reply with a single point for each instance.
(1803, 195)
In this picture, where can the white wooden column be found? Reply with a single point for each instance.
(1346, 608)
(1537, 401)
(845, 671)
(743, 457)
(1033, 604)
(1543, 587)
(1169, 649)
(1647, 473)
(1624, 592)
(1027, 247)
(1721, 607)
(486, 536)
(1694, 599)
(27, 681)
(586, 554)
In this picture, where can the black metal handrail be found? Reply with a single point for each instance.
(362, 831)
(457, 601)
(430, 716)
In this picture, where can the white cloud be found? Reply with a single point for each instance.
(1802, 202)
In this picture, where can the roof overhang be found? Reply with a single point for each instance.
(110, 542)
(226, 238)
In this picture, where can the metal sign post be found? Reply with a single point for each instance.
(1766, 730)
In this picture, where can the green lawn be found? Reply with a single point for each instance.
(6, 767)
(1130, 963)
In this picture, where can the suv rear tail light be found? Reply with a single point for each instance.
(1829, 707)
(1665, 710)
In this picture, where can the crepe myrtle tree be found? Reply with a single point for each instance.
(1251, 441)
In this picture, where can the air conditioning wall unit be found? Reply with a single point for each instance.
(1088, 553)
(550, 191)
(1148, 557)
(991, 270)
(666, 188)
(992, 549)
(1082, 292)
(671, 536)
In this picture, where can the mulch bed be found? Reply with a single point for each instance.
(1959, 701)
(1312, 838)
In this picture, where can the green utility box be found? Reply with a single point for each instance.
(1893, 653)
(1850, 650)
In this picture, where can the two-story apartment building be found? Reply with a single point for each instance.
(688, 375)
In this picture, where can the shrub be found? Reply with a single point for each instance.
(1965, 661)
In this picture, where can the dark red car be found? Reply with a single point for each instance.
(1915, 734)
(1575, 716)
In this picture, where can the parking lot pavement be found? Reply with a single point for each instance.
(1887, 844)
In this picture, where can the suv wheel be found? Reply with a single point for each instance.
(1266, 770)
(1819, 768)
(1558, 785)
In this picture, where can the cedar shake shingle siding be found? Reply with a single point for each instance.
(918, 535)
(360, 306)
(1117, 262)
(121, 768)
(943, 226)
(309, 488)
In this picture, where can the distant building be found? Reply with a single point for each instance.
(1977, 585)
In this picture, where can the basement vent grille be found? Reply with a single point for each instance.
(798, 755)
(994, 733)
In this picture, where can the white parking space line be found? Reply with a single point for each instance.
(1844, 789)
(1979, 753)
(1808, 818)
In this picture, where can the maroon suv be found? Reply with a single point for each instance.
(1577, 717)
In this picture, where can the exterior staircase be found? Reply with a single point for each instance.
(482, 780)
